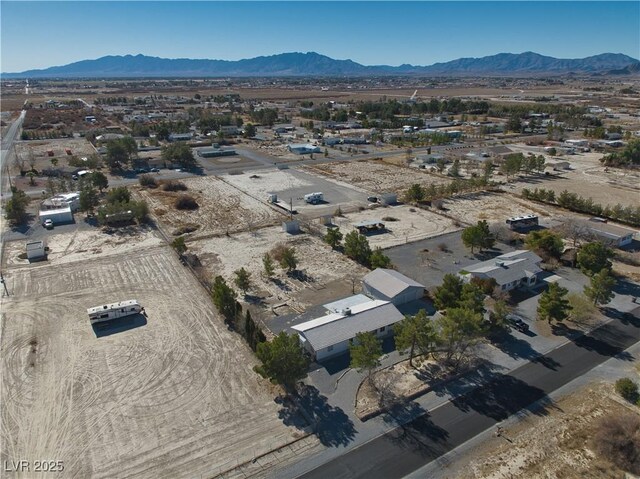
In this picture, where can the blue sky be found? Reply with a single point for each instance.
(43, 34)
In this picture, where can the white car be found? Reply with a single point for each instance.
(48, 224)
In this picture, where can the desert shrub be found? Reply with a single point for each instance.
(443, 247)
(617, 439)
(184, 229)
(147, 181)
(627, 389)
(389, 218)
(174, 186)
(278, 252)
(186, 202)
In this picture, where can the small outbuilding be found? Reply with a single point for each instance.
(389, 285)
(36, 250)
(388, 198)
(58, 216)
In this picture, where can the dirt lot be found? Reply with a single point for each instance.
(403, 224)
(378, 177)
(169, 396)
(323, 268)
(492, 207)
(553, 445)
(222, 208)
(38, 151)
(588, 178)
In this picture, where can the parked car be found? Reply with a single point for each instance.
(155, 170)
(48, 223)
(372, 199)
(517, 323)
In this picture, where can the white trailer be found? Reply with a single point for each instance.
(314, 198)
(107, 312)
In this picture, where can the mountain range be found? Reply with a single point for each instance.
(314, 64)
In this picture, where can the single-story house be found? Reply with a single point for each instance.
(180, 137)
(62, 200)
(215, 152)
(35, 250)
(332, 334)
(59, 215)
(303, 148)
(389, 285)
(609, 234)
(510, 270)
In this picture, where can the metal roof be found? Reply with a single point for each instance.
(337, 327)
(390, 282)
(509, 267)
(350, 302)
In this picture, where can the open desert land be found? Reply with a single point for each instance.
(492, 207)
(376, 177)
(292, 184)
(323, 271)
(222, 208)
(170, 395)
(550, 445)
(589, 179)
(403, 224)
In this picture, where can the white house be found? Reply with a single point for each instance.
(59, 215)
(510, 270)
(389, 285)
(332, 334)
(303, 148)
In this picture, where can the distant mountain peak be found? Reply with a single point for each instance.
(316, 64)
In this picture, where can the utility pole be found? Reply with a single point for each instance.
(4, 283)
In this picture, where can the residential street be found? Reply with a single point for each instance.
(406, 448)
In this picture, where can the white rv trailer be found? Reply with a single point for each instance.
(113, 311)
(314, 198)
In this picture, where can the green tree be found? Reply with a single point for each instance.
(545, 242)
(415, 333)
(88, 199)
(498, 316)
(288, 259)
(31, 176)
(472, 298)
(179, 245)
(140, 210)
(455, 168)
(179, 153)
(581, 308)
(356, 247)
(553, 303)
(267, 263)
(487, 169)
(594, 257)
(54, 162)
(447, 295)
(440, 164)
(15, 209)
(224, 298)
(457, 331)
(119, 195)
(283, 360)
(415, 193)
(379, 260)
(252, 332)
(365, 351)
(333, 238)
(600, 289)
(512, 164)
(472, 237)
(99, 180)
(514, 123)
(120, 152)
(249, 130)
(243, 280)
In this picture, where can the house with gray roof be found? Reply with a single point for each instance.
(331, 335)
(510, 270)
(389, 285)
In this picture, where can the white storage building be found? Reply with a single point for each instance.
(389, 285)
(35, 250)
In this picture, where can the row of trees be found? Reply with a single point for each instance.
(418, 193)
(574, 202)
(517, 162)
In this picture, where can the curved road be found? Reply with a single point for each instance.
(407, 448)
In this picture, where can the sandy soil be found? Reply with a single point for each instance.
(222, 208)
(170, 396)
(552, 445)
(267, 181)
(322, 266)
(588, 178)
(492, 207)
(377, 176)
(411, 224)
(38, 149)
(86, 245)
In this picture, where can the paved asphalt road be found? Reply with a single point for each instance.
(419, 442)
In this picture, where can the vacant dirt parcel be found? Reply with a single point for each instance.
(378, 177)
(222, 208)
(174, 396)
